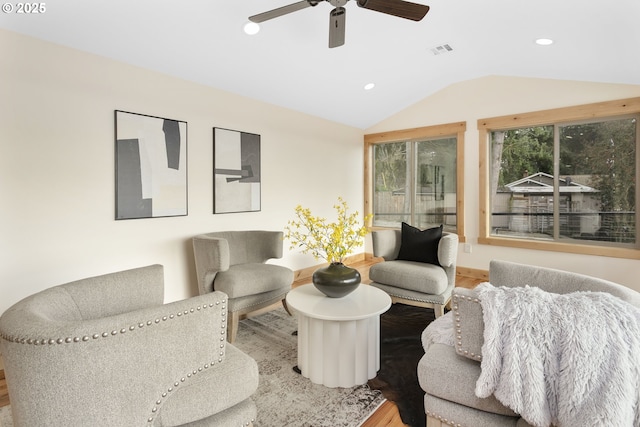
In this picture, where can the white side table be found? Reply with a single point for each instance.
(339, 338)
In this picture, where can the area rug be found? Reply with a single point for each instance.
(284, 397)
(400, 351)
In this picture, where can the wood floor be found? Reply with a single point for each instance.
(387, 415)
(4, 394)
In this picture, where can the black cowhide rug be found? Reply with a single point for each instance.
(400, 350)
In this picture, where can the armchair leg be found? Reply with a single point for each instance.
(233, 319)
(438, 309)
(286, 307)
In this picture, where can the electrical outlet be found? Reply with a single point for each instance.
(467, 248)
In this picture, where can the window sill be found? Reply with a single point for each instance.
(613, 252)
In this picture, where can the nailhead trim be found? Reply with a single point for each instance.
(418, 299)
(443, 420)
(175, 385)
(183, 379)
(85, 338)
(458, 327)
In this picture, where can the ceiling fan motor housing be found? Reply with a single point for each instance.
(400, 8)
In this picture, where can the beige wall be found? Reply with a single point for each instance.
(57, 165)
(57, 168)
(496, 96)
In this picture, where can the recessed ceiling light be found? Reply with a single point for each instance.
(251, 28)
(544, 42)
(369, 86)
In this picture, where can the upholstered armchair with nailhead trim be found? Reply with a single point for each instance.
(448, 373)
(414, 283)
(106, 351)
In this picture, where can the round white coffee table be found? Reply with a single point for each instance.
(338, 338)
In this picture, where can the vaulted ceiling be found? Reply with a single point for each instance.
(288, 63)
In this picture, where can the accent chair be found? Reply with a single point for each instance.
(106, 351)
(414, 283)
(235, 262)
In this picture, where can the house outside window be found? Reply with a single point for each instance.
(416, 179)
(569, 183)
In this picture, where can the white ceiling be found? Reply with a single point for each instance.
(289, 64)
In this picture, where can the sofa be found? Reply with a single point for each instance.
(106, 351)
(451, 367)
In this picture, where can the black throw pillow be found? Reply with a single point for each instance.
(420, 245)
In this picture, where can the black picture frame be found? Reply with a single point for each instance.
(236, 171)
(150, 166)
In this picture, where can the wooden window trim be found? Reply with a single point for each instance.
(457, 129)
(538, 118)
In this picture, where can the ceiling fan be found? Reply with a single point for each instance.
(399, 8)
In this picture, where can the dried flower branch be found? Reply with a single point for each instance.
(329, 241)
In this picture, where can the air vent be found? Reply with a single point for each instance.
(442, 49)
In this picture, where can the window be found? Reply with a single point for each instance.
(568, 184)
(415, 177)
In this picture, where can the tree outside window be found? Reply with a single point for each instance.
(415, 175)
(415, 182)
(564, 182)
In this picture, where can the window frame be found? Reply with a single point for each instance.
(557, 116)
(449, 130)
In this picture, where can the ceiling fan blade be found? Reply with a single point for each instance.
(399, 8)
(337, 21)
(265, 16)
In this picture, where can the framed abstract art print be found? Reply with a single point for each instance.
(151, 166)
(236, 171)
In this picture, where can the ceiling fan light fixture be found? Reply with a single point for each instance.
(544, 42)
(369, 86)
(400, 8)
(251, 28)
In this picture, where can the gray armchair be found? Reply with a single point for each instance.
(414, 283)
(448, 373)
(106, 351)
(234, 262)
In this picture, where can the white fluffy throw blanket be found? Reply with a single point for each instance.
(440, 331)
(567, 360)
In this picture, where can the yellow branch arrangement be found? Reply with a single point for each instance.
(329, 241)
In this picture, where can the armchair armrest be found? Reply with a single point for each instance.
(386, 243)
(152, 352)
(448, 249)
(468, 322)
(211, 255)
(212, 252)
